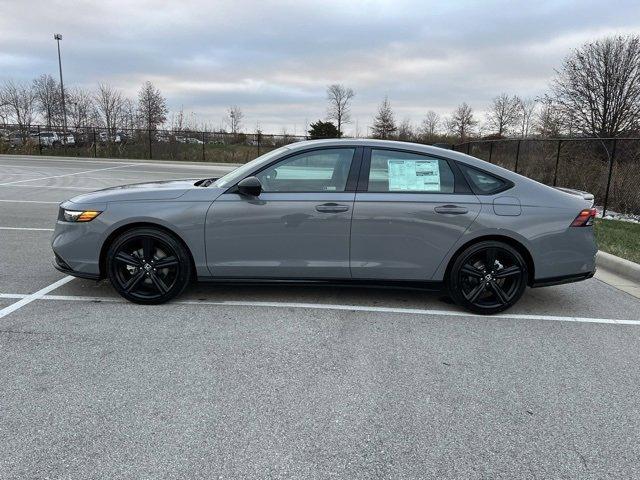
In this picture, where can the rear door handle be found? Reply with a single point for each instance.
(451, 210)
(332, 208)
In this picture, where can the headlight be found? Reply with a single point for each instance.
(79, 215)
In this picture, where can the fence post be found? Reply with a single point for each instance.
(555, 174)
(468, 148)
(95, 144)
(490, 151)
(39, 142)
(515, 169)
(612, 159)
(150, 151)
(203, 145)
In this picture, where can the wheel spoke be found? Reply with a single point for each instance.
(133, 281)
(490, 258)
(471, 271)
(159, 283)
(124, 257)
(499, 293)
(147, 248)
(475, 293)
(166, 262)
(508, 272)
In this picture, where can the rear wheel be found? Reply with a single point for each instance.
(148, 265)
(488, 277)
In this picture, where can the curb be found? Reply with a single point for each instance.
(620, 266)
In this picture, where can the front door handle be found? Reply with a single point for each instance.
(451, 210)
(332, 208)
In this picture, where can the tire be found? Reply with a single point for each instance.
(148, 266)
(487, 277)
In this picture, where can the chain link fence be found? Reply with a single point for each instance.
(185, 145)
(609, 168)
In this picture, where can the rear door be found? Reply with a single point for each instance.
(410, 209)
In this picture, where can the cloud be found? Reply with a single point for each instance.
(274, 58)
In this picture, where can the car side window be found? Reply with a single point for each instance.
(482, 182)
(393, 171)
(314, 171)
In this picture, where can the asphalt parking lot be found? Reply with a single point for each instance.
(296, 382)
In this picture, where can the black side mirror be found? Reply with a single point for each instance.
(250, 186)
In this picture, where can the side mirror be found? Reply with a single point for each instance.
(250, 186)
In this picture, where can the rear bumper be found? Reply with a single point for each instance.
(547, 282)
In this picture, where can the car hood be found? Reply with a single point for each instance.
(165, 190)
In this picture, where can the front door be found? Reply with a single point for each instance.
(408, 217)
(298, 227)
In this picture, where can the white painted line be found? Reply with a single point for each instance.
(34, 296)
(28, 228)
(28, 201)
(357, 308)
(66, 175)
(52, 186)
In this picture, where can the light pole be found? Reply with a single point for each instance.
(57, 37)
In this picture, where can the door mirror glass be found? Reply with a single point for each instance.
(250, 186)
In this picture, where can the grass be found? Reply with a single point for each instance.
(619, 238)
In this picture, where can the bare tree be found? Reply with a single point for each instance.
(527, 108)
(48, 99)
(503, 114)
(177, 120)
(384, 125)
(81, 111)
(462, 122)
(598, 86)
(430, 125)
(129, 115)
(550, 119)
(235, 117)
(405, 130)
(339, 108)
(152, 107)
(19, 101)
(108, 101)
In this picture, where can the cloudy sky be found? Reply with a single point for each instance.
(275, 58)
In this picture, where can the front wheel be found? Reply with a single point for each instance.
(488, 277)
(148, 265)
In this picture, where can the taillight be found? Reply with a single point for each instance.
(585, 218)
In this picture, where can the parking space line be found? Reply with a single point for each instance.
(28, 228)
(358, 308)
(66, 174)
(34, 296)
(28, 201)
(51, 186)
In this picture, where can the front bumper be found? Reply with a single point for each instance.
(59, 264)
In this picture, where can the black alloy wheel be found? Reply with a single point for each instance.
(148, 265)
(488, 277)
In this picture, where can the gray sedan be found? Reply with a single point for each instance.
(335, 211)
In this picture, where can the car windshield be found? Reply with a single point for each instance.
(239, 172)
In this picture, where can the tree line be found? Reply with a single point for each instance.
(595, 92)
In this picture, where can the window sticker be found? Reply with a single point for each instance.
(413, 175)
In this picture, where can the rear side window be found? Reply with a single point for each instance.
(393, 171)
(483, 182)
